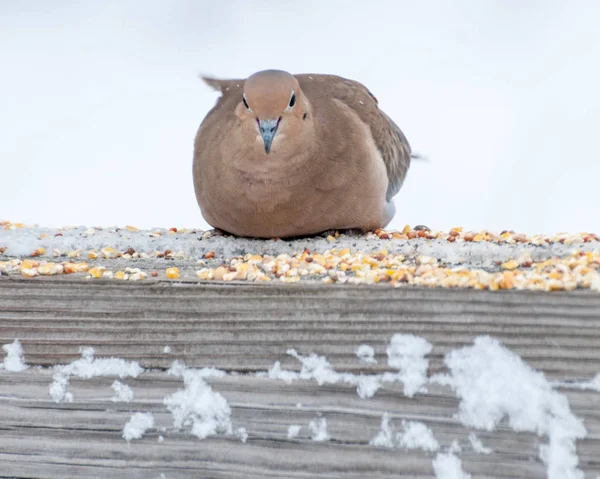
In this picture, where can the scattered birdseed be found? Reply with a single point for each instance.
(411, 256)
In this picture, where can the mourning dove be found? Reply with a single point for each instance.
(284, 155)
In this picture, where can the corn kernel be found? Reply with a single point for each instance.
(510, 265)
(109, 252)
(97, 272)
(173, 273)
(29, 264)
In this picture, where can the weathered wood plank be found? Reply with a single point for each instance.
(83, 439)
(243, 328)
(246, 327)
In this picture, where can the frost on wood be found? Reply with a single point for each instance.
(366, 354)
(205, 411)
(406, 353)
(137, 425)
(14, 361)
(415, 435)
(448, 466)
(123, 392)
(493, 383)
(88, 367)
(318, 429)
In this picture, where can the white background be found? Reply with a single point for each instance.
(100, 102)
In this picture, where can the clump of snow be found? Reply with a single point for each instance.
(88, 367)
(293, 431)
(366, 354)
(478, 447)
(448, 466)
(492, 383)
(367, 385)
(14, 361)
(277, 373)
(318, 429)
(386, 435)
(455, 447)
(137, 425)
(242, 434)
(197, 405)
(406, 353)
(167, 349)
(320, 369)
(161, 439)
(122, 391)
(593, 384)
(415, 435)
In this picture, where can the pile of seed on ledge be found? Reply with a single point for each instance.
(393, 258)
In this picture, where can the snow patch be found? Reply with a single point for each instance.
(367, 385)
(320, 369)
(592, 384)
(14, 361)
(386, 435)
(293, 431)
(366, 354)
(88, 367)
(137, 425)
(197, 405)
(415, 435)
(448, 466)
(123, 392)
(492, 383)
(406, 353)
(318, 429)
(242, 434)
(281, 374)
(478, 447)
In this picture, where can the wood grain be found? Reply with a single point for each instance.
(244, 328)
(83, 439)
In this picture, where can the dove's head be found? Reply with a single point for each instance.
(273, 101)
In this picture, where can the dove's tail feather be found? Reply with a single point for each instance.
(418, 157)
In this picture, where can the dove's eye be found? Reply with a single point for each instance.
(292, 100)
(245, 103)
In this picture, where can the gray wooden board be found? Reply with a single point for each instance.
(83, 439)
(245, 328)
